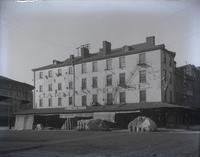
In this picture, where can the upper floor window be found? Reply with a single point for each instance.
(40, 102)
(70, 100)
(40, 88)
(70, 85)
(50, 102)
(84, 100)
(164, 58)
(94, 82)
(170, 77)
(59, 101)
(84, 83)
(50, 73)
(165, 75)
(70, 70)
(94, 66)
(50, 87)
(122, 97)
(143, 96)
(170, 61)
(142, 58)
(41, 75)
(108, 64)
(59, 72)
(142, 76)
(109, 80)
(83, 68)
(59, 86)
(122, 80)
(109, 98)
(94, 98)
(122, 62)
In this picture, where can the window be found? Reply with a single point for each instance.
(83, 68)
(165, 75)
(170, 77)
(59, 101)
(94, 82)
(84, 100)
(70, 100)
(84, 83)
(170, 61)
(50, 102)
(109, 98)
(108, 64)
(59, 86)
(165, 96)
(94, 98)
(70, 70)
(122, 80)
(164, 58)
(70, 85)
(50, 73)
(94, 66)
(109, 80)
(40, 88)
(59, 72)
(142, 58)
(41, 75)
(142, 95)
(122, 62)
(142, 76)
(41, 102)
(122, 97)
(50, 87)
(170, 96)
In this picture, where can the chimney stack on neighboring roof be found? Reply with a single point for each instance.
(106, 47)
(55, 62)
(85, 52)
(150, 40)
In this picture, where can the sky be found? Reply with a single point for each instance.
(35, 32)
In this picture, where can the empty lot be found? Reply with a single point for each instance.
(98, 144)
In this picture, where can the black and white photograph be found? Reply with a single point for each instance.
(99, 78)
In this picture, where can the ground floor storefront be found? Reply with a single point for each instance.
(164, 115)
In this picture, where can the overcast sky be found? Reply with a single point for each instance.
(32, 34)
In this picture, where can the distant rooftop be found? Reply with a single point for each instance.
(5, 79)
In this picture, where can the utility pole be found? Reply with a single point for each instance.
(72, 61)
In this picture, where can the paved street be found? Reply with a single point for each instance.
(98, 144)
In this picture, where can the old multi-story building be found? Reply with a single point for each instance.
(113, 84)
(130, 74)
(187, 86)
(14, 97)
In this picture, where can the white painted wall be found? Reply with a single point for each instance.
(153, 85)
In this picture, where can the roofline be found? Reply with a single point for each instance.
(92, 110)
(11, 80)
(112, 55)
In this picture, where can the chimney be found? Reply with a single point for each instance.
(84, 52)
(150, 40)
(55, 62)
(106, 47)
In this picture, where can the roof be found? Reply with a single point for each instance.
(5, 79)
(134, 49)
(103, 108)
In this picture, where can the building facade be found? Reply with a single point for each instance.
(187, 86)
(14, 97)
(131, 74)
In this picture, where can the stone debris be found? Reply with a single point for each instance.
(142, 124)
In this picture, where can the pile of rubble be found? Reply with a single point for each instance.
(142, 124)
(94, 125)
